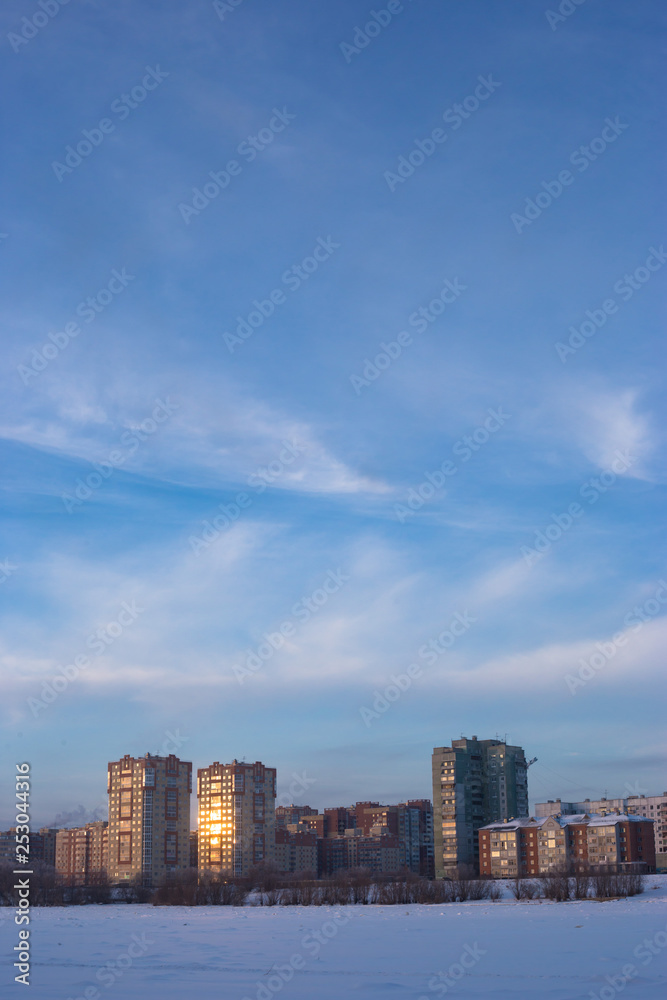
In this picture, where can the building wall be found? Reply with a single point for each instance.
(296, 850)
(83, 852)
(651, 806)
(531, 846)
(237, 804)
(149, 817)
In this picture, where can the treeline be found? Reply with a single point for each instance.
(588, 883)
(265, 886)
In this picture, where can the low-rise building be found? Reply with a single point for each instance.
(537, 845)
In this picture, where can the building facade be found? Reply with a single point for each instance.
(537, 845)
(410, 822)
(475, 782)
(82, 853)
(648, 806)
(149, 817)
(296, 849)
(378, 852)
(237, 805)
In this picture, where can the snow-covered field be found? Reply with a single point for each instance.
(508, 950)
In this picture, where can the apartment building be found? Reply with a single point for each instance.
(378, 852)
(42, 845)
(296, 849)
(149, 816)
(536, 845)
(509, 849)
(237, 805)
(288, 815)
(82, 853)
(475, 782)
(411, 822)
(648, 806)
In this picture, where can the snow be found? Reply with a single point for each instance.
(511, 951)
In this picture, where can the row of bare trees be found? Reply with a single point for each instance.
(265, 886)
(560, 885)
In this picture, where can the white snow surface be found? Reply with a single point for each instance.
(512, 950)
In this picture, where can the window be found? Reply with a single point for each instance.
(125, 848)
(171, 804)
(171, 848)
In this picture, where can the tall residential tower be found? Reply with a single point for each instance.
(475, 782)
(237, 805)
(149, 816)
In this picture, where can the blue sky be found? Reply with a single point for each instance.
(305, 450)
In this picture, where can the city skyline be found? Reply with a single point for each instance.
(302, 788)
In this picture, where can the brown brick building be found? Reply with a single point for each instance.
(83, 853)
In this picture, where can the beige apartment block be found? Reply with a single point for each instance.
(237, 804)
(149, 817)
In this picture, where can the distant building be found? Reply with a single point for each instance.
(296, 849)
(650, 806)
(379, 852)
(149, 816)
(82, 853)
(536, 845)
(194, 848)
(236, 816)
(475, 782)
(411, 822)
(287, 815)
(42, 845)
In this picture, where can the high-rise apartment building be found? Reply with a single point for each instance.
(237, 804)
(149, 816)
(475, 782)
